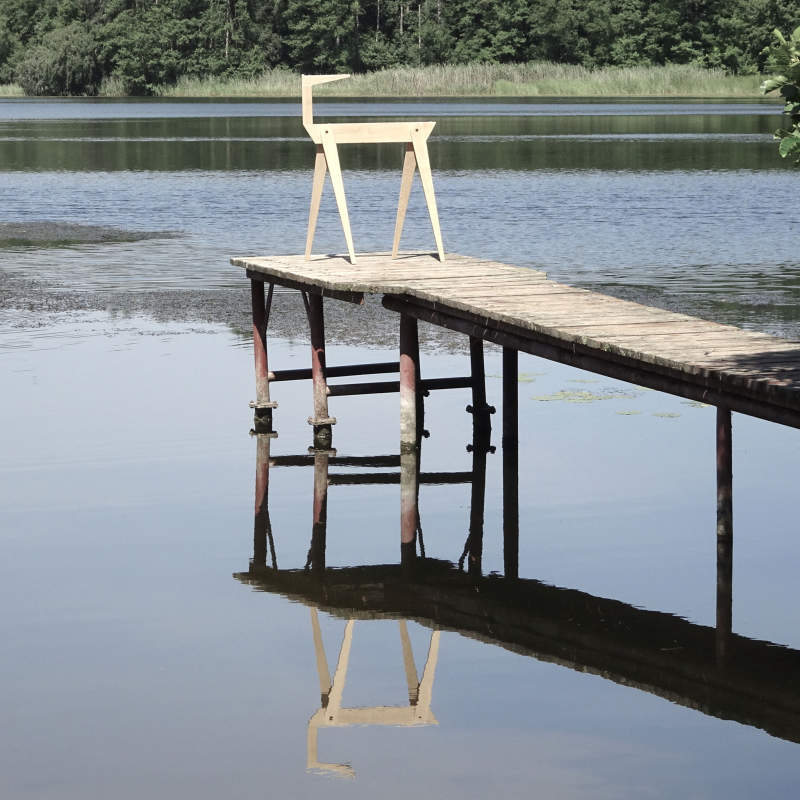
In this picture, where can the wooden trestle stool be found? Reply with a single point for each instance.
(327, 137)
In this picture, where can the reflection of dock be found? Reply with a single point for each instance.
(756, 684)
(331, 713)
(710, 669)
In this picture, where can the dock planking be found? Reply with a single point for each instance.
(520, 308)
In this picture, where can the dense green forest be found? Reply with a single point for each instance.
(72, 46)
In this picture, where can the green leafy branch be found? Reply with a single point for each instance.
(784, 59)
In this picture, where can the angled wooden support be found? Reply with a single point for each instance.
(320, 167)
(327, 138)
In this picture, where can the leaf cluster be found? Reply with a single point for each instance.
(784, 60)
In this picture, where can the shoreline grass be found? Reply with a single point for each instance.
(537, 79)
(11, 90)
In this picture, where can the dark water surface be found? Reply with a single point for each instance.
(148, 646)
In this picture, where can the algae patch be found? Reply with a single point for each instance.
(523, 377)
(47, 234)
(585, 396)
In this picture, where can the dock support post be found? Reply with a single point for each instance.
(510, 462)
(322, 423)
(262, 527)
(724, 532)
(409, 388)
(262, 406)
(479, 409)
(409, 438)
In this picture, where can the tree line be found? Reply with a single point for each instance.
(70, 46)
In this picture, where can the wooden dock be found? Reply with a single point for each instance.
(520, 309)
(711, 669)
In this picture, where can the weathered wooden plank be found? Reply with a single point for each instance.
(541, 343)
(674, 383)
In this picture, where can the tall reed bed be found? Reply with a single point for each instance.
(510, 80)
(11, 90)
(685, 80)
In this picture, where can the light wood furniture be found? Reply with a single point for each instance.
(327, 137)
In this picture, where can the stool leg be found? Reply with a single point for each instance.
(332, 157)
(409, 165)
(421, 151)
(320, 167)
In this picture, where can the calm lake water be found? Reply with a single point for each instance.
(146, 652)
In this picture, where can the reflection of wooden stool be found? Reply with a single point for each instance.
(326, 137)
(332, 714)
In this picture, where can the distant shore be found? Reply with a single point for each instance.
(538, 79)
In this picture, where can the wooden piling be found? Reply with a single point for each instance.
(510, 462)
(410, 419)
(262, 406)
(321, 421)
(409, 370)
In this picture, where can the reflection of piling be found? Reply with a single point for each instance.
(409, 506)
(262, 527)
(473, 550)
(323, 434)
(724, 531)
(316, 554)
(481, 411)
(262, 407)
(510, 462)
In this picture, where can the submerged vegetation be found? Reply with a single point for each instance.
(68, 47)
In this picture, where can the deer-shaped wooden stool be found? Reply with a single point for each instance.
(327, 137)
